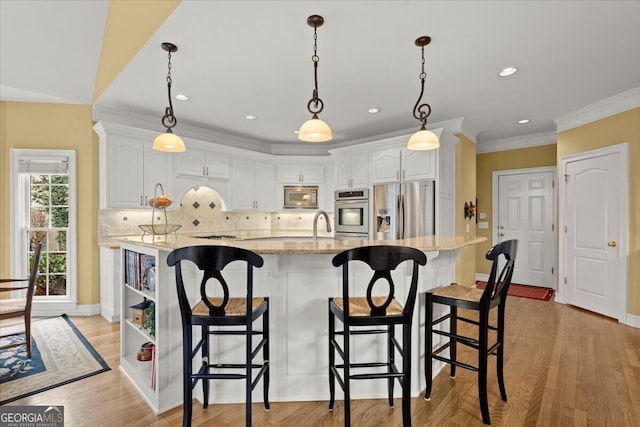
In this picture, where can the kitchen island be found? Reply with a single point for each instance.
(299, 278)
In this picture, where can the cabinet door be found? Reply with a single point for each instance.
(126, 176)
(289, 173)
(243, 181)
(418, 164)
(343, 173)
(216, 166)
(312, 174)
(191, 162)
(156, 170)
(360, 172)
(385, 166)
(265, 187)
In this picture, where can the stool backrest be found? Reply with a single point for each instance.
(382, 260)
(498, 284)
(211, 260)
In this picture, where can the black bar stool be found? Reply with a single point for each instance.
(221, 312)
(482, 301)
(379, 315)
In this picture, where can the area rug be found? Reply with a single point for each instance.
(524, 291)
(60, 354)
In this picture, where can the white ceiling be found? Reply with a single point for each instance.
(254, 57)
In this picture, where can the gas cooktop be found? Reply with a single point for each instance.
(217, 237)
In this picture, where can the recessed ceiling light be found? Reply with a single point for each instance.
(181, 97)
(523, 121)
(508, 71)
(250, 117)
(373, 110)
(295, 131)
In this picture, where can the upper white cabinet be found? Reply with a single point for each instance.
(402, 165)
(134, 169)
(294, 173)
(202, 163)
(352, 172)
(252, 185)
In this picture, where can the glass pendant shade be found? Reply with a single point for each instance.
(169, 142)
(423, 140)
(315, 130)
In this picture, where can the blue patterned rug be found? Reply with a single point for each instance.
(60, 354)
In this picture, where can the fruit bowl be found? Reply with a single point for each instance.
(159, 228)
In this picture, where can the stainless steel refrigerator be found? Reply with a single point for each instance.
(403, 210)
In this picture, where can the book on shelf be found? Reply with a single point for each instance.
(139, 271)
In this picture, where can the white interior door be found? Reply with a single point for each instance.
(594, 212)
(526, 213)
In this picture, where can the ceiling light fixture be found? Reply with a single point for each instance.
(374, 110)
(523, 121)
(250, 117)
(423, 139)
(181, 97)
(168, 141)
(508, 71)
(315, 130)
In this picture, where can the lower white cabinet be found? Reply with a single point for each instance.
(160, 380)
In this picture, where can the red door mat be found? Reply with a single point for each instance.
(525, 291)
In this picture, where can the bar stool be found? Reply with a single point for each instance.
(378, 315)
(221, 312)
(482, 301)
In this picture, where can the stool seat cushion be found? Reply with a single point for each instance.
(235, 306)
(459, 292)
(358, 306)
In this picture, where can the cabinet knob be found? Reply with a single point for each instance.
(612, 244)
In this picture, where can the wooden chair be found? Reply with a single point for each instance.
(221, 312)
(378, 315)
(482, 301)
(21, 307)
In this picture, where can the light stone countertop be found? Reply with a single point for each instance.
(300, 243)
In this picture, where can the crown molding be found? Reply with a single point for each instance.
(620, 103)
(526, 141)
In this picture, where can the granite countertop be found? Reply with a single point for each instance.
(301, 243)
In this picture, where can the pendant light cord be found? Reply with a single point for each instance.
(315, 100)
(418, 109)
(169, 120)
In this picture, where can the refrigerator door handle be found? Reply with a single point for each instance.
(401, 217)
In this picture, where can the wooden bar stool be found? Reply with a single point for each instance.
(221, 312)
(378, 315)
(482, 301)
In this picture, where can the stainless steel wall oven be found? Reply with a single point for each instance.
(352, 214)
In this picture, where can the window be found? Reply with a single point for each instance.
(43, 200)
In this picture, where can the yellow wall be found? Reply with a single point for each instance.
(486, 164)
(623, 127)
(64, 127)
(465, 192)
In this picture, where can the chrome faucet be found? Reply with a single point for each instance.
(315, 223)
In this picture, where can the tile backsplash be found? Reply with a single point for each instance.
(200, 210)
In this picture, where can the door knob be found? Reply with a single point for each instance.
(613, 244)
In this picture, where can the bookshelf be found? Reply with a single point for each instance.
(150, 317)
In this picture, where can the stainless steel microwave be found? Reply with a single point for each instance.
(301, 196)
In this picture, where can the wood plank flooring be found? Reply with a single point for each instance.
(563, 367)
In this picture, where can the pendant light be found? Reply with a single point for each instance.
(315, 130)
(168, 141)
(423, 139)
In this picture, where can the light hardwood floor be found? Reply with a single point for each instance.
(563, 367)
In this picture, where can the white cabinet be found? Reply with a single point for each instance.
(134, 168)
(352, 172)
(252, 185)
(202, 163)
(159, 381)
(292, 173)
(402, 165)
